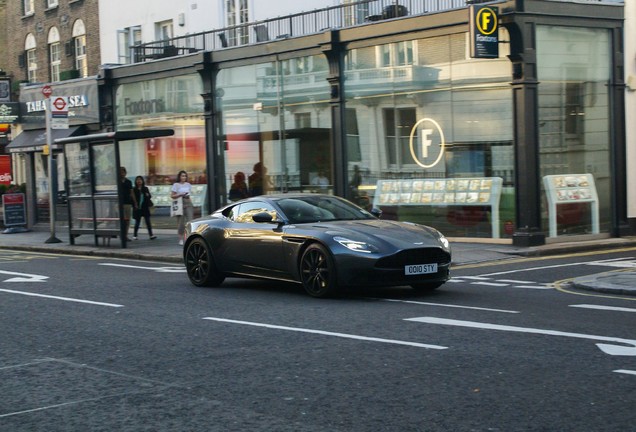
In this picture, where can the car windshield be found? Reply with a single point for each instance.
(320, 209)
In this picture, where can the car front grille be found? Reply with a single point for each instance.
(414, 256)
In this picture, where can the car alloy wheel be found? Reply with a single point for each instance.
(318, 272)
(200, 264)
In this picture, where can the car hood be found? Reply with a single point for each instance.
(400, 234)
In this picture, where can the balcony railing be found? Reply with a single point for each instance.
(304, 23)
(295, 25)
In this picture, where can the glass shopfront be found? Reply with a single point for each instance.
(174, 103)
(574, 117)
(275, 126)
(430, 135)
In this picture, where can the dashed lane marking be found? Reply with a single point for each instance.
(326, 333)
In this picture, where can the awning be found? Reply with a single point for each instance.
(34, 140)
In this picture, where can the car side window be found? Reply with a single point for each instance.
(243, 212)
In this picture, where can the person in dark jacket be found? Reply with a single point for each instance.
(239, 190)
(142, 208)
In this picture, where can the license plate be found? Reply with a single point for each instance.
(416, 269)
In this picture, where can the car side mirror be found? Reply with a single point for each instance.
(264, 217)
(376, 212)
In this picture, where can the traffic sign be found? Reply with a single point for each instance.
(60, 104)
(47, 90)
(59, 112)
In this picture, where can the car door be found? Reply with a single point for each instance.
(254, 247)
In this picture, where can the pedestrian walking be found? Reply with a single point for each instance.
(143, 200)
(182, 189)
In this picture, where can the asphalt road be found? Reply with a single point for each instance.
(97, 344)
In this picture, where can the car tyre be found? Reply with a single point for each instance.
(200, 264)
(426, 287)
(318, 272)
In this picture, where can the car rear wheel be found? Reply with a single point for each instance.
(426, 287)
(318, 272)
(200, 265)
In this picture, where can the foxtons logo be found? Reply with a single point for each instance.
(486, 21)
(140, 107)
(428, 150)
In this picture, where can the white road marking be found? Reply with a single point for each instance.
(625, 371)
(538, 287)
(514, 281)
(61, 298)
(599, 307)
(326, 333)
(157, 269)
(24, 277)
(606, 348)
(609, 263)
(491, 284)
(475, 277)
(450, 305)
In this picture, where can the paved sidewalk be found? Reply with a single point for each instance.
(166, 249)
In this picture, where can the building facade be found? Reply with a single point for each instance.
(527, 146)
(52, 40)
(395, 109)
(157, 20)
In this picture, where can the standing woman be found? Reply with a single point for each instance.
(142, 207)
(182, 189)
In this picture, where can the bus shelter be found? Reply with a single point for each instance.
(93, 183)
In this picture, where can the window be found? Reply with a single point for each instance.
(54, 53)
(163, 30)
(397, 129)
(355, 14)
(353, 136)
(396, 54)
(31, 59)
(237, 13)
(29, 8)
(126, 39)
(79, 40)
(51, 4)
(246, 211)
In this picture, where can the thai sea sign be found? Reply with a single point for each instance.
(484, 31)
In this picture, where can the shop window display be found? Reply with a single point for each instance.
(428, 115)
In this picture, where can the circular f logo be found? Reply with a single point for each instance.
(426, 143)
(486, 21)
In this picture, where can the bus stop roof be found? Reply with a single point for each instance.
(117, 136)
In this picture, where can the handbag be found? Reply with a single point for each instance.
(176, 209)
(150, 203)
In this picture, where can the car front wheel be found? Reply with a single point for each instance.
(200, 265)
(318, 272)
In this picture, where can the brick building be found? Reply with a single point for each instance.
(51, 40)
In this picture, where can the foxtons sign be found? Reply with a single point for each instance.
(484, 31)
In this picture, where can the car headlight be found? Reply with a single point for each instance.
(444, 241)
(356, 246)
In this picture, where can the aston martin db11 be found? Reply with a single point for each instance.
(323, 242)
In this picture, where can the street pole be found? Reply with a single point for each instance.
(52, 197)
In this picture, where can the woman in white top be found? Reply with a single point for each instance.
(183, 189)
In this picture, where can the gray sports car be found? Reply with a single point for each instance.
(324, 242)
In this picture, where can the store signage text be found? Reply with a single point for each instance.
(150, 106)
(73, 102)
(484, 27)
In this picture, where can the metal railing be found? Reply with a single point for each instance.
(295, 25)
